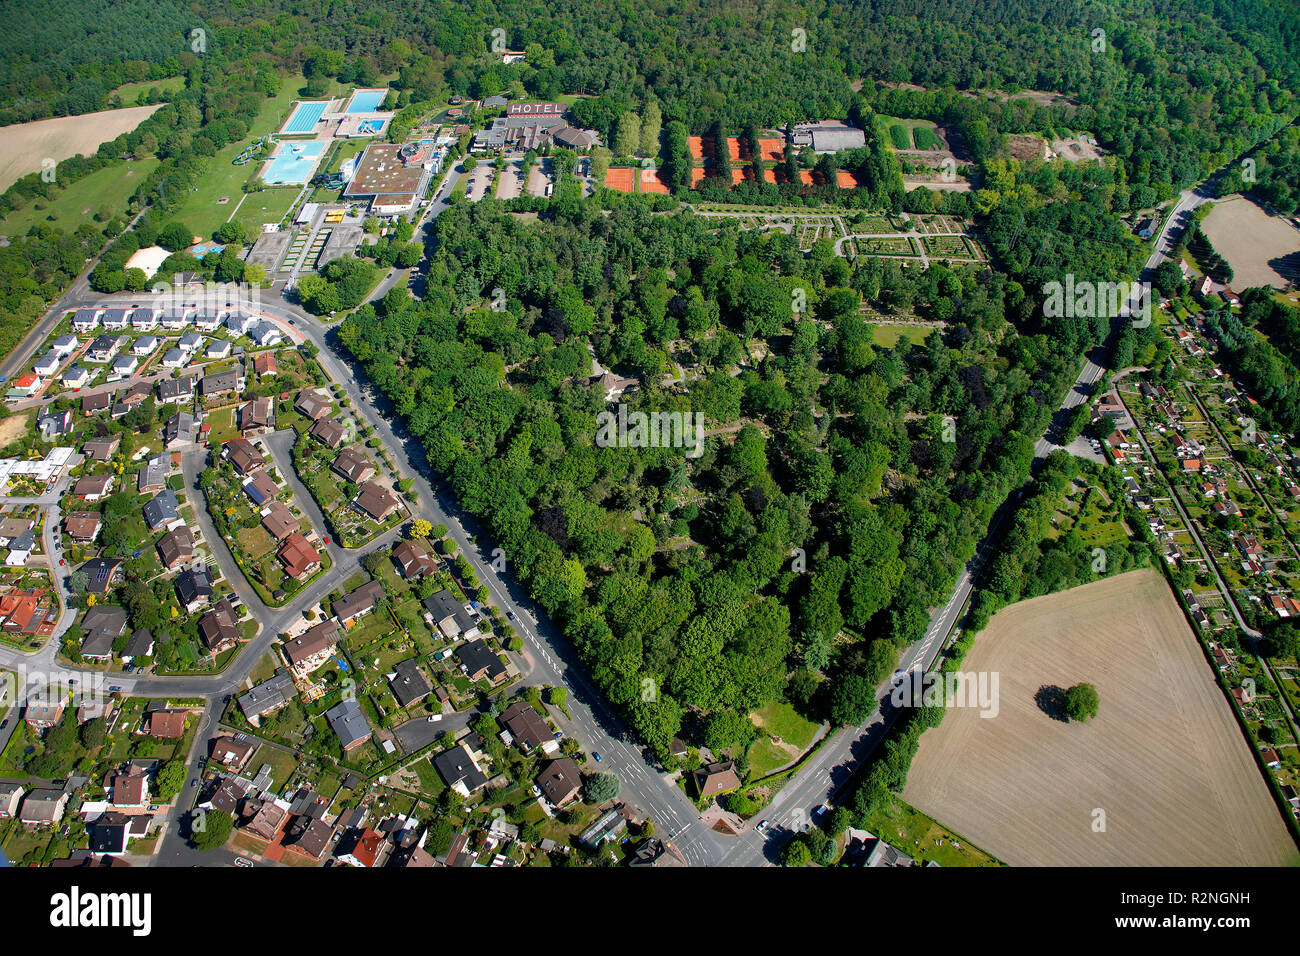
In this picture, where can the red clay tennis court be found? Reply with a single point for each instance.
(651, 183)
(622, 178)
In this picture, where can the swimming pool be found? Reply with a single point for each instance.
(294, 163)
(366, 101)
(305, 116)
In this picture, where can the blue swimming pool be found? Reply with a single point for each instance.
(305, 116)
(366, 101)
(294, 162)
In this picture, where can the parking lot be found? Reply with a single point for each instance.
(479, 182)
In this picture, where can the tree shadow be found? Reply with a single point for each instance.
(1051, 701)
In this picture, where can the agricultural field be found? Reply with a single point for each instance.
(28, 145)
(1261, 248)
(1164, 759)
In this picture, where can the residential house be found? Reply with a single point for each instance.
(266, 819)
(298, 556)
(309, 836)
(257, 416)
(12, 528)
(260, 488)
(75, 377)
(94, 404)
(165, 724)
(376, 501)
(11, 794)
(266, 335)
(176, 391)
(233, 753)
(181, 429)
(364, 848)
(140, 645)
(101, 449)
(153, 476)
(459, 771)
(451, 617)
(353, 466)
(217, 349)
(43, 714)
(190, 342)
(526, 726)
(478, 661)
(145, 320)
(20, 549)
(93, 487)
(278, 520)
(82, 526)
(328, 432)
(560, 781)
(413, 560)
(86, 320)
(243, 454)
(194, 588)
(43, 807)
(312, 648)
(715, 778)
(53, 424)
(219, 628)
(163, 511)
(264, 364)
(145, 345)
(219, 383)
(408, 684)
(103, 349)
(47, 364)
(356, 603)
(268, 696)
(102, 625)
(176, 547)
(312, 404)
(174, 358)
(100, 574)
(349, 723)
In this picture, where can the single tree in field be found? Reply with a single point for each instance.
(1081, 702)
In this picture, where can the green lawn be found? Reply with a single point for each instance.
(129, 91)
(201, 212)
(781, 720)
(110, 188)
(911, 831)
(890, 335)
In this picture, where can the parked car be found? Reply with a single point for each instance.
(595, 756)
(241, 861)
(434, 718)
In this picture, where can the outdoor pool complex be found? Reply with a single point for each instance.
(293, 163)
(305, 116)
(366, 101)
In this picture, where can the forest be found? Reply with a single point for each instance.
(827, 513)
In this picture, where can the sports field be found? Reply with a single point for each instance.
(1164, 759)
(1262, 249)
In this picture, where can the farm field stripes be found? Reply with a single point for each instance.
(1164, 759)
